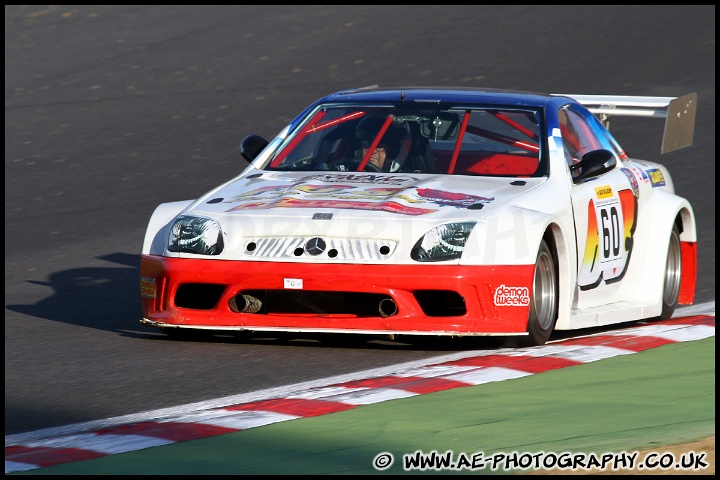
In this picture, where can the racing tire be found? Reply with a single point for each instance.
(673, 274)
(543, 300)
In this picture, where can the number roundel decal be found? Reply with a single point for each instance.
(611, 225)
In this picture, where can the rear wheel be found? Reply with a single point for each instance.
(673, 271)
(543, 300)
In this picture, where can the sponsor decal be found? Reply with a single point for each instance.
(393, 207)
(453, 199)
(641, 174)
(633, 181)
(656, 177)
(378, 197)
(511, 296)
(361, 179)
(603, 192)
(147, 287)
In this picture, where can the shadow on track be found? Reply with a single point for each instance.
(102, 298)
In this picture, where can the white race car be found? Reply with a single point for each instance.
(432, 211)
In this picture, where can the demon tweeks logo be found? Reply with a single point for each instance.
(511, 296)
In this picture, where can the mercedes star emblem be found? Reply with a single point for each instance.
(315, 246)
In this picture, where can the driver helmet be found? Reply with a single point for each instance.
(396, 139)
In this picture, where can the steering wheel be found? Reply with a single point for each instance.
(371, 167)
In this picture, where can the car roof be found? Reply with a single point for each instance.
(441, 94)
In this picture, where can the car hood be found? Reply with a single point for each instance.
(272, 215)
(362, 196)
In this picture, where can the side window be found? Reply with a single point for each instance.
(576, 136)
(582, 132)
(607, 141)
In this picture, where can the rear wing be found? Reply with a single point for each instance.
(678, 112)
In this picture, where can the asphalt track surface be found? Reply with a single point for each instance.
(111, 110)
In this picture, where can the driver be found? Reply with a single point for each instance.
(387, 156)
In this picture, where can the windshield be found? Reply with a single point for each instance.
(472, 141)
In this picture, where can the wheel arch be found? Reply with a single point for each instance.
(685, 221)
(564, 255)
(649, 261)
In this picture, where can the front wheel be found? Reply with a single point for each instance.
(673, 271)
(543, 300)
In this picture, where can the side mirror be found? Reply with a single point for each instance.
(593, 164)
(251, 146)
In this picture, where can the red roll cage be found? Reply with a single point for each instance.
(316, 126)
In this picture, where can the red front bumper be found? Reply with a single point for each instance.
(487, 300)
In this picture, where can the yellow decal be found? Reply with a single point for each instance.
(147, 287)
(604, 192)
(656, 176)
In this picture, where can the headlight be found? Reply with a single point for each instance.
(444, 242)
(196, 235)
